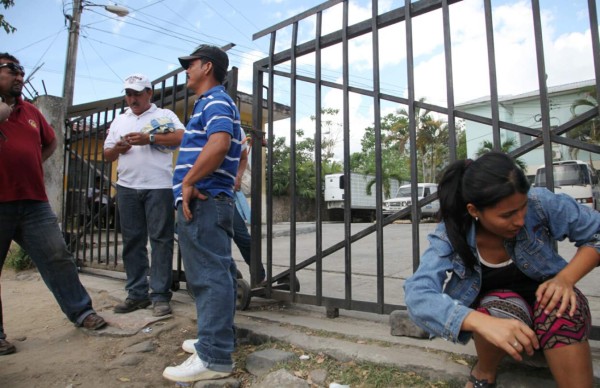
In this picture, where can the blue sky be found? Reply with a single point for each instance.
(156, 32)
(148, 40)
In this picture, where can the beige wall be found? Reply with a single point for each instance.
(52, 109)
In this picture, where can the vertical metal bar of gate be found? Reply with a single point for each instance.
(347, 191)
(449, 81)
(489, 32)
(87, 139)
(412, 127)
(544, 104)
(256, 178)
(318, 160)
(378, 158)
(293, 189)
(270, 161)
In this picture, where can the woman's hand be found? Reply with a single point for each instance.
(510, 335)
(557, 292)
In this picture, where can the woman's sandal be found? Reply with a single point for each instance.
(483, 383)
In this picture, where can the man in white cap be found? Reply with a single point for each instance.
(141, 139)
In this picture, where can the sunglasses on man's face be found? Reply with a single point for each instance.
(17, 69)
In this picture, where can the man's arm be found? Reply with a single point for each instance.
(241, 168)
(48, 149)
(212, 155)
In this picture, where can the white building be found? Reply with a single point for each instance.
(525, 110)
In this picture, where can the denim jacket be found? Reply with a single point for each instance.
(440, 293)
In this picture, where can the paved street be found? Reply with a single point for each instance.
(397, 261)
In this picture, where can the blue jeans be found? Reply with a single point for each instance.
(211, 276)
(242, 239)
(33, 225)
(143, 214)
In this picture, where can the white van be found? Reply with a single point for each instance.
(403, 199)
(575, 178)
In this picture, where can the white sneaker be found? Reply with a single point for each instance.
(188, 345)
(192, 369)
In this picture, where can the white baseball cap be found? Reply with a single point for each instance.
(137, 82)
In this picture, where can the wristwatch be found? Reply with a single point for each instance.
(151, 137)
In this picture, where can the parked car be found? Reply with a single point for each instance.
(403, 199)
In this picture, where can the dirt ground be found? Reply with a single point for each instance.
(52, 352)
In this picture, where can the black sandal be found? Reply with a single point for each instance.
(483, 383)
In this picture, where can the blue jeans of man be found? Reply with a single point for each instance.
(243, 241)
(34, 226)
(147, 214)
(211, 276)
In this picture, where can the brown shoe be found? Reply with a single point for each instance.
(93, 322)
(161, 308)
(131, 305)
(6, 347)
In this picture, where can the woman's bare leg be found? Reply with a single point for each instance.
(571, 365)
(488, 359)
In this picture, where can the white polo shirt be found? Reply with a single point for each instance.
(142, 167)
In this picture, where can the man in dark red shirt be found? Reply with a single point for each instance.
(26, 141)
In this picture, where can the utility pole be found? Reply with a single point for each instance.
(71, 62)
(74, 26)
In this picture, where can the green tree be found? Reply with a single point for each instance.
(589, 131)
(461, 142)
(432, 135)
(281, 167)
(394, 163)
(305, 167)
(331, 135)
(3, 23)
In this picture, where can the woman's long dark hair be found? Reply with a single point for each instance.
(483, 182)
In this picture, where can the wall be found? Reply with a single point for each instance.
(52, 109)
(305, 210)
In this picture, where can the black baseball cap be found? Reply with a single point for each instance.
(217, 56)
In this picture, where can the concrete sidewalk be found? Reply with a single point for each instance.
(351, 336)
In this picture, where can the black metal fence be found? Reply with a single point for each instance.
(90, 215)
(92, 230)
(283, 73)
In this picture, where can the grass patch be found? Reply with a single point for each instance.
(17, 259)
(357, 374)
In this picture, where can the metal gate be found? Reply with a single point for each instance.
(92, 231)
(90, 215)
(279, 77)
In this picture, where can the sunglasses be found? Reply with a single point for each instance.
(18, 69)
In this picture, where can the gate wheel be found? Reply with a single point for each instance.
(243, 295)
(284, 283)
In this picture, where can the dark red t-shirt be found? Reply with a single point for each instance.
(21, 171)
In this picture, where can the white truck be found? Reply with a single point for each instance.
(403, 199)
(575, 178)
(362, 204)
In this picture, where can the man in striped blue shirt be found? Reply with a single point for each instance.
(203, 183)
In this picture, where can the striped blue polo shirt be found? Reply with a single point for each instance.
(213, 112)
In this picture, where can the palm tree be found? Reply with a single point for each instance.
(589, 131)
(506, 147)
